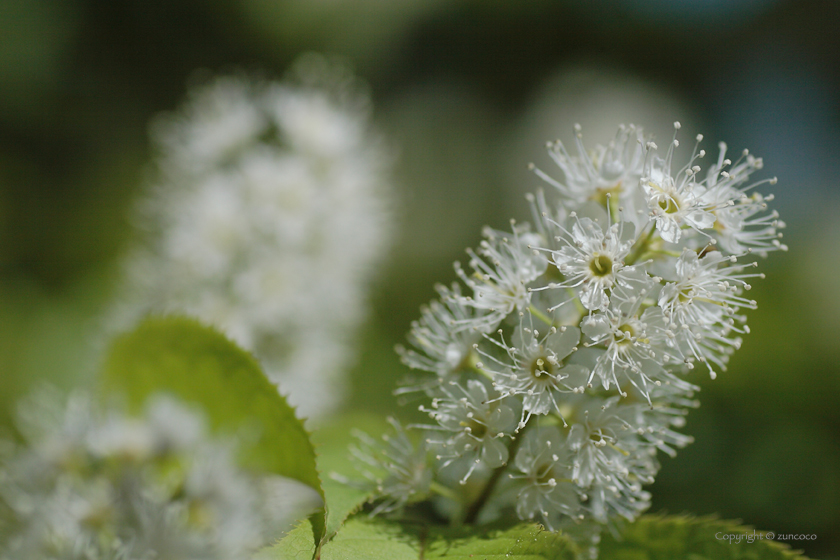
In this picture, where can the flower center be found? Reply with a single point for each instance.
(718, 226)
(600, 195)
(546, 476)
(629, 334)
(601, 265)
(669, 205)
(477, 429)
(542, 370)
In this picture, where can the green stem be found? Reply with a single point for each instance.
(666, 253)
(541, 316)
(620, 450)
(473, 362)
(640, 248)
(555, 419)
(707, 300)
(486, 374)
(578, 305)
(442, 490)
(612, 208)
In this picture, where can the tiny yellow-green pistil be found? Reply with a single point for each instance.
(669, 205)
(477, 429)
(629, 333)
(547, 476)
(718, 225)
(604, 194)
(601, 265)
(540, 367)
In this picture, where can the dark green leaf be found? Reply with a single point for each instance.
(666, 538)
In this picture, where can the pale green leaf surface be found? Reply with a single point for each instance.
(196, 363)
(341, 501)
(655, 537)
(298, 544)
(650, 538)
(523, 542)
(379, 539)
(372, 539)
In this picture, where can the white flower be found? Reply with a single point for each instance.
(93, 484)
(606, 170)
(396, 467)
(503, 268)
(719, 202)
(702, 305)
(742, 221)
(742, 228)
(675, 200)
(474, 427)
(592, 261)
(657, 423)
(543, 465)
(676, 205)
(608, 463)
(634, 347)
(266, 219)
(442, 348)
(536, 371)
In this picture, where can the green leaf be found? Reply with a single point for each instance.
(649, 538)
(298, 544)
(199, 365)
(341, 501)
(655, 537)
(523, 542)
(380, 539)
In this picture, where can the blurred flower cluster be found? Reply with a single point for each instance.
(559, 362)
(92, 484)
(268, 214)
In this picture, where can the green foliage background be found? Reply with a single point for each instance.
(451, 80)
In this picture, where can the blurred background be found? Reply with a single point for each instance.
(467, 92)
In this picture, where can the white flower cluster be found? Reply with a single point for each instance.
(266, 194)
(559, 364)
(95, 485)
